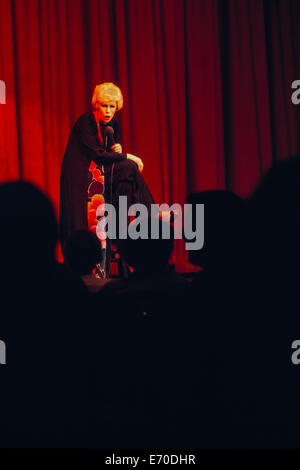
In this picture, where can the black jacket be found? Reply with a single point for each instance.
(83, 146)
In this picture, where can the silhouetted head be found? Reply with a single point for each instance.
(29, 230)
(148, 256)
(225, 220)
(82, 252)
(276, 205)
(279, 191)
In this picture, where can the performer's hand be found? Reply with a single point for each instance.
(136, 160)
(117, 148)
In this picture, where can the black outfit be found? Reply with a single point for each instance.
(84, 146)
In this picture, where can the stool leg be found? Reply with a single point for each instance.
(123, 268)
(107, 258)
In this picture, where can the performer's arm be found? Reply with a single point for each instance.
(89, 140)
(87, 137)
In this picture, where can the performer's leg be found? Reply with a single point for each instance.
(124, 179)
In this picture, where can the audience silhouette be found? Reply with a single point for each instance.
(47, 384)
(159, 359)
(82, 254)
(153, 285)
(276, 206)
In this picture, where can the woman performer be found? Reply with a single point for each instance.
(90, 144)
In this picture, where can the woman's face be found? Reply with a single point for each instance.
(106, 110)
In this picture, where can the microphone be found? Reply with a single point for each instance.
(109, 137)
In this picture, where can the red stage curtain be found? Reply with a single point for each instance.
(206, 83)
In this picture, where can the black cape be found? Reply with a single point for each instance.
(83, 146)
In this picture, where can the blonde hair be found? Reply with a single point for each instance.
(107, 92)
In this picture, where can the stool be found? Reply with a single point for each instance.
(96, 198)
